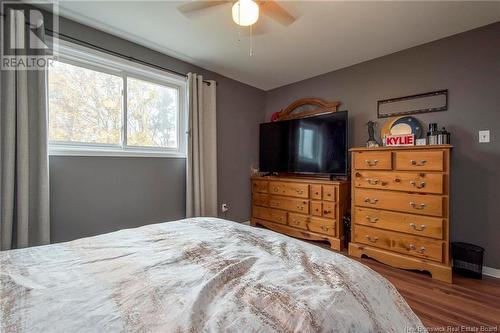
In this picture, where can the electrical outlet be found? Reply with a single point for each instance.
(484, 136)
(225, 207)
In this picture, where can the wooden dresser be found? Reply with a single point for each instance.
(308, 208)
(400, 207)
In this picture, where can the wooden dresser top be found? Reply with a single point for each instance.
(299, 179)
(402, 148)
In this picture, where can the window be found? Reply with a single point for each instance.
(102, 105)
(152, 114)
(84, 105)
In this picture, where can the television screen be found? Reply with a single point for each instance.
(315, 144)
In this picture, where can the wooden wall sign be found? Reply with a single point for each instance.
(305, 107)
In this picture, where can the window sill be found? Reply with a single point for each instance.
(58, 151)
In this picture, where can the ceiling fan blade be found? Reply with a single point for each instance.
(276, 12)
(193, 6)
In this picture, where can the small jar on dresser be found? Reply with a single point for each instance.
(400, 207)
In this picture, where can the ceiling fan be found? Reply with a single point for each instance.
(244, 12)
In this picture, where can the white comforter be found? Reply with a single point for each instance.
(194, 275)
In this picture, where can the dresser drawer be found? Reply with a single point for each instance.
(260, 199)
(329, 193)
(316, 192)
(329, 209)
(418, 247)
(425, 204)
(325, 208)
(260, 186)
(322, 226)
(407, 223)
(269, 214)
(398, 242)
(400, 181)
(298, 220)
(298, 190)
(419, 160)
(294, 205)
(373, 160)
(316, 208)
(371, 236)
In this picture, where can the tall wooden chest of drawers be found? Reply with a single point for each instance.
(400, 207)
(308, 208)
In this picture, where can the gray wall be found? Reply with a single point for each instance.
(91, 195)
(468, 65)
(95, 195)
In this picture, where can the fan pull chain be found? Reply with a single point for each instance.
(239, 19)
(251, 41)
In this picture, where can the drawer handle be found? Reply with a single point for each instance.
(296, 222)
(412, 247)
(414, 226)
(299, 207)
(376, 182)
(276, 189)
(327, 212)
(418, 163)
(372, 239)
(372, 219)
(325, 227)
(371, 201)
(416, 206)
(371, 162)
(299, 191)
(275, 204)
(414, 184)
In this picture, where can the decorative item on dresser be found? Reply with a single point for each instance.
(400, 207)
(302, 207)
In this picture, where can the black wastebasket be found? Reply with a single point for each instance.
(467, 259)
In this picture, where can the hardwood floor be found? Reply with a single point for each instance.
(467, 305)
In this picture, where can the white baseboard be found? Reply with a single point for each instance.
(490, 271)
(246, 222)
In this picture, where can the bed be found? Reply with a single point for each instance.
(194, 275)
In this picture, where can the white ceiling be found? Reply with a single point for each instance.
(326, 36)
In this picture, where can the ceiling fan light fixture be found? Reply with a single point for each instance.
(245, 12)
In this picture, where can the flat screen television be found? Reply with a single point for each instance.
(312, 145)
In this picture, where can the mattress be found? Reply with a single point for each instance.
(194, 275)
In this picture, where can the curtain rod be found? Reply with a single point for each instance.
(102, 49)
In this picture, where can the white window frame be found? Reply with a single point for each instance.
(91, 59)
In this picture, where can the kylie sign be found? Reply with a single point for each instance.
(400, 140)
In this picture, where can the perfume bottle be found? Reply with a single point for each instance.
(432, 135)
